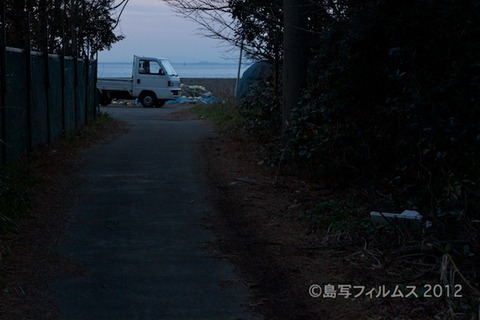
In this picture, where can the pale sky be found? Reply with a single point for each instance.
(152, 29)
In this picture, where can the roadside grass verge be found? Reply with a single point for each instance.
(444, 253)
(20, 181)
(89, 132)
(16, 184)
(225, 116)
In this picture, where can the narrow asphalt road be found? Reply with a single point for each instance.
(137, 232)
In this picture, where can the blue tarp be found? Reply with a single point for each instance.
(259, 71)
(194, 94)
(183, 100)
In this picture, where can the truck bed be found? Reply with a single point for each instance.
(115, 84)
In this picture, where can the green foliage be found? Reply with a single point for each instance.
(90, 131)
(16, 185)
(74, 27)
(259, 26)
(326, 214)
(337, 215)
(262, 118)
(393, 96)
(225, 116)
(261, 110)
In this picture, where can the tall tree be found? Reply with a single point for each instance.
(259, 25)
(295, 54)
(80, 27)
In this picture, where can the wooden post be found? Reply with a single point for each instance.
(47, 70)
(28, 84)
(62, 67)
(3, 83)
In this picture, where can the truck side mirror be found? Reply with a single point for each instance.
(161, 72)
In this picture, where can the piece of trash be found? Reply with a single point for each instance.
(243, 181)
(246, 180)
(192, 100)
(407, 216)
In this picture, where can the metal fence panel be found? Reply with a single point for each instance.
(55, 97)
(92, 75)
(81, 93)
(16, 106)
(69, 95)
(42, 104)
(39, 129)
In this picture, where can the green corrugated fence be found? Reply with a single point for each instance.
(45, 97)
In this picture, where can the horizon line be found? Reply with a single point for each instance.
(185, 62)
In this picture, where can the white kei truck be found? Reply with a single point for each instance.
(154, 81)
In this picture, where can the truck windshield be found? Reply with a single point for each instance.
(169, 68)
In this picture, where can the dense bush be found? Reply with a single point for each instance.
(261, 110)
(393, 98)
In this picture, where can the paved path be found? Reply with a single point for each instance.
(137, 230)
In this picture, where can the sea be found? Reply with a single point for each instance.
(184, 70)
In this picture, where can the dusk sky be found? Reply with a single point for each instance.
(152, 29)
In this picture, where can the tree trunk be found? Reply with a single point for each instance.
(295, 54)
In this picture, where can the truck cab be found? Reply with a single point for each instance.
(154, 81)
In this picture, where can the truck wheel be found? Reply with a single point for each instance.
(105, 100)
(148, 99)
(160, 103)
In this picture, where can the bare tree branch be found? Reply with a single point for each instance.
(124, 3)
(217, 20)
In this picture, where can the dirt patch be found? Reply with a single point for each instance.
(28, 266)
(258, 228)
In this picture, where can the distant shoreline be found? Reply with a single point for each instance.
(179, 63)
(203, 78)
(244, 64)
(196, 70)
